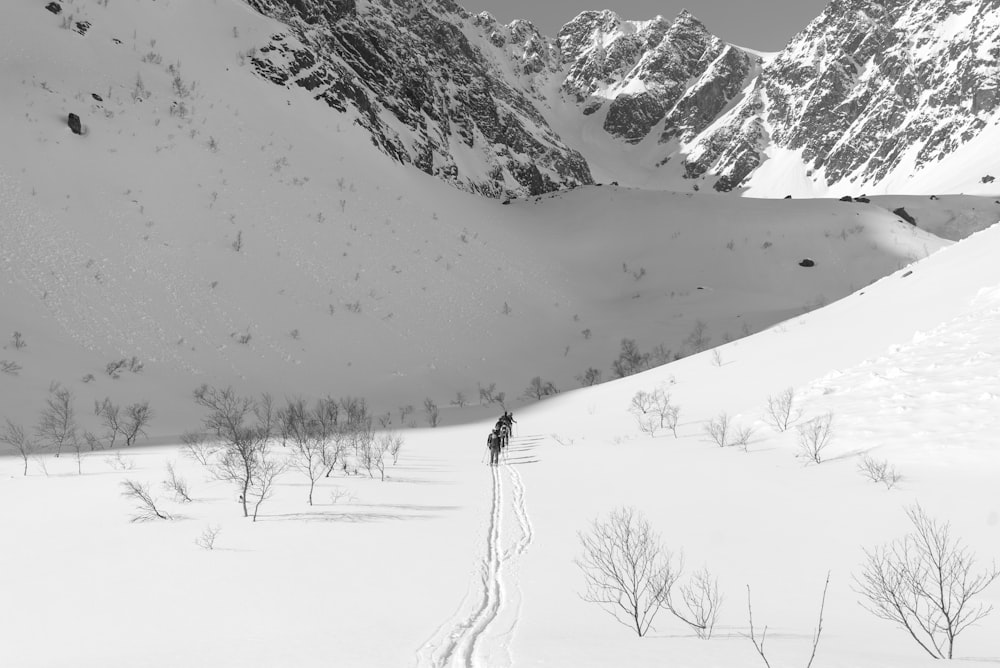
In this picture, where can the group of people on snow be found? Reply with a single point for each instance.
(500, 437)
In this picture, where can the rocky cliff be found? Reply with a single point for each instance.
(870, 89)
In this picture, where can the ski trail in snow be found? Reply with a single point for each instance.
(479, 633)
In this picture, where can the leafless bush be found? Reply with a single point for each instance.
(206, 540)
(110, 415)
(925, 583)
(146, 508)
(701, 603)
(486, 393)
(589, 377)
(879, 470)
(781, 412)
(310, 444)
(267, 470)
(341, 495)
(698, 339)
(627, 570)
(14, 435)
(9, 368)
(654, 411)
(394, 446)
(716, 358)
(197, 447)
(538, 389)
(137, 416)
(57, 424)
(718, 429)
(460, 400)
(17, 339)
(119, 463)
(741, 437)
(176, 484)
(815, 436)
(630, 361)
(759, 645)
(431, 409)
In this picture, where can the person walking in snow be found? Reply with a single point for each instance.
(508, 420)
(493, 442)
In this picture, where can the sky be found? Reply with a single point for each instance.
(766, 25)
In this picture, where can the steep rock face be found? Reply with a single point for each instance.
(648, 72)
(868, 87)
(418, 76)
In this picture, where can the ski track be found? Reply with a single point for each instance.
(472, 639)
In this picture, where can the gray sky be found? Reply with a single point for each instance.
(766, 25)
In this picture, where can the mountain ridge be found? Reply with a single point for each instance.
(677, 105)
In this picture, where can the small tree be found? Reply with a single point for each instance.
(718, 429)
(137, 418)
(759, 645)
(626, 569)
(701, 603)
(630, 360)
(431, 409)
(14, 436)
(815, 436)
(879, 470)
(206, 540)
(310, 444)
(698, 339)
(176, 484)
(262, 485)
(538, 389)
(110, 415)
(146, 508)
(589, 377)
(926, 584)
(57, 424)
(781, 412)
(642, 408)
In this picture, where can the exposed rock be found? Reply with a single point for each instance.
(902, 213)
(807, 263)
(74, 124)
(54, 7)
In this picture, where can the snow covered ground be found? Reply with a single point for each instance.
(121, 243)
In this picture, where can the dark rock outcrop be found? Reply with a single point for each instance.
(74, 124)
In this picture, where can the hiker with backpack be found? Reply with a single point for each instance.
(494, 443)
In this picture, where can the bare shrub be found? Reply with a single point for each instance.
(176, 484)
(589, 377)
(925, 583)
(146, 508)
(538, 389)
(9, 368)
(718, 429)
(701, 602)
(781, 412)
(197, 447)
(206, 540)
(759, 644)
(310, 444)
(17, 339)
(698, 339)
(110, 415)
(626, 569)
(741, 437)
(880, 471)
(262, 483)
(460, 400)
(137, 418)
(630, 361)
(14, 435)
(119, 463)
(815, 436)
(57, 424)
(642, 408)
(431, 410)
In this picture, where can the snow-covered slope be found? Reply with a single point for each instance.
(451, 563)
(353, 274)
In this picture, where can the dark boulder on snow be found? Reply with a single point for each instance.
(846, 198)
(902, 213)
(862, 199)
(988, 179)
(54, 7)
(807, 263)
(74, 124)
(788, 197)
